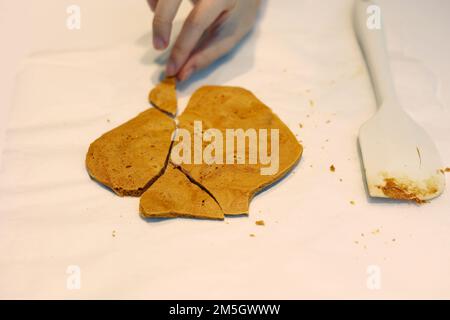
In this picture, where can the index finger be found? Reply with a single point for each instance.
(202, 16)
(165, 13)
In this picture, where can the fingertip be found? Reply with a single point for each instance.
(152, 4)
(171, 69)
(186, 74)
(159, 43)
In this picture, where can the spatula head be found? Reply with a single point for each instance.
(400, 159)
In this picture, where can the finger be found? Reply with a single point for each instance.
(201, 17)
(152, 4)
(165, 13)
(206, 56)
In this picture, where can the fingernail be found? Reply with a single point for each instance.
(159, 43)
(171, 69)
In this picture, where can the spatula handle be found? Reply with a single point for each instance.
(372, 41)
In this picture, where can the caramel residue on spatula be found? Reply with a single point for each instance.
(401, 191)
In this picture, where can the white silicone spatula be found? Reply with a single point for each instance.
(400, 159)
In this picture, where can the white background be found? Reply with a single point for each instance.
(60, 89)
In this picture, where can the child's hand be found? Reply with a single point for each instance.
(213, 28)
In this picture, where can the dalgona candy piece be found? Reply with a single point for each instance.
(164, 96)
(174, 195)
(130, 157)
(222, 108)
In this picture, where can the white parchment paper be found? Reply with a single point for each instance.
(306, 65)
